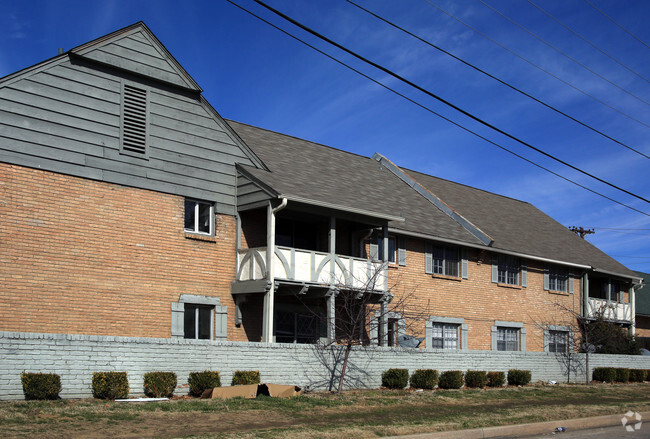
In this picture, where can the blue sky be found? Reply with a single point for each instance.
(254, 74)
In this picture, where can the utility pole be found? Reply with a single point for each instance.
(581, 231)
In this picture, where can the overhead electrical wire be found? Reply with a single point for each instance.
(587, 41)
(564, 53)
(478, 69)
(537, 66)
(444, 101)
(432, 111)
(616, 23)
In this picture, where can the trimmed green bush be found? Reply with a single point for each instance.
(245, 377)
(475, 378)
(201, 381)
(159, 384)
(424, 379)
(606, 374)
(517, 377)
(41, 385)
(496, 379)
(451, 379)
(395, 378)
(638, 375)
(622, 375)
(110, 385)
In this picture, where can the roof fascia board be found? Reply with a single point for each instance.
(36, 68)
(247, 150)
(342, 208)
(259, 183)
(98, 42)
(492, 249)
(466, 224)
(612, 273)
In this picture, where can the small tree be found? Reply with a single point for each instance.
(359, 320)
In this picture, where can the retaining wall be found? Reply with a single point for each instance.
(76, 357)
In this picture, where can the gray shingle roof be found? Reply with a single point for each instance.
(309, 170)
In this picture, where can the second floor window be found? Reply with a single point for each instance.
(445, 261)
(391, 249)
(557, 279)
(199, 217)
(508, 270)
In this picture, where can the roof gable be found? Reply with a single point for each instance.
(137, 50)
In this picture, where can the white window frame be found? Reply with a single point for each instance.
(444, 261)
(508, 266)
(197, 204)
(461, 331)
(549, 339)
(503, 325)
(556, 275)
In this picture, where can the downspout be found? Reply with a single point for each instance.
(269, 297)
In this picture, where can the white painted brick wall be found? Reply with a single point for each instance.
(76, 357)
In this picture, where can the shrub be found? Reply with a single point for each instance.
(159, 384)
(201, 381)
(622, 375)
(395, 378)
(451, 379)
(606, 374)
(475, 378)
(110, 385)
(496, 379)
(638, 375)
(41, 385)
(518, 377)
(245, 377)
(424, 379)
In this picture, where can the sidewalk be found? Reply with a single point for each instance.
(522, 430)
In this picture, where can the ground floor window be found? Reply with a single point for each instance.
(558, 341)
(444, 336)
(198, 321)
(507, 339)
(293, 327)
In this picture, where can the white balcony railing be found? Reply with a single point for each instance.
(609, 310)
(312, 267)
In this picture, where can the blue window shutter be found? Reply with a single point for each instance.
(495, 270)
(546, 279)
(463, 263)
(570, 284)
(401, 250)
(524, 275)
(428, 258)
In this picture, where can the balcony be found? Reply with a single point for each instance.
(614, 311)
(311, 267)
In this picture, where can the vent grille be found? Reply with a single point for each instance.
(134, 121)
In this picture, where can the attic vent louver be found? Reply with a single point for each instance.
(134, 121)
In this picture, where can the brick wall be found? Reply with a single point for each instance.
(81, 256)
(76, 357)
(479, 301)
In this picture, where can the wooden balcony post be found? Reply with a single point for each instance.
(269, 297)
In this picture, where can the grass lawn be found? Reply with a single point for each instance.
(358, 413)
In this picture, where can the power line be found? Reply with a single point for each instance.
(587, 41)
(563, 53)
(444, 101)
(614, 228)
(496, 78)
(432, 111)
(537, 66)
(624, 29)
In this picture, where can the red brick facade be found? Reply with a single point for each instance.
(86, 257)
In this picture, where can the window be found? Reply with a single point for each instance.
(557, 279)
(558, 341)
(393, 331)
(199, 318)
(508, 270)
(293, 327)
(391, 249)
(198, 321)
(444, 336)
(445, 261)
(133, 135)
(199, 217)
(507, 339)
